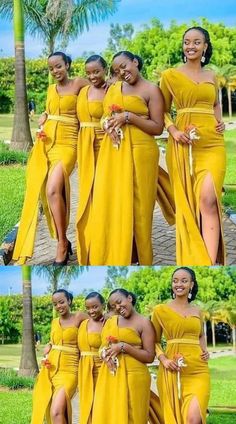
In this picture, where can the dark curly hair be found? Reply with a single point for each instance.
(209, 49)
(67, 59)
(131, 56)
(68, 295)
(125, 293)
(193, 279)
(97, 296)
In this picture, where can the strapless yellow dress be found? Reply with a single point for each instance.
(63, 373)
(187, 169)
(61, 129)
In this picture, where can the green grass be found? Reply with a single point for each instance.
(10, 355)
(6, 123)
(16, 407)
(12, 179)
(223, 381)
(221, 418)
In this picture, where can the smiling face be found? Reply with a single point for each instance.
(94, 308)
(95, 73)
(125, 69)
(182, 283)
(58, 68)
(61, 303)
(121, 304)
(194, 45)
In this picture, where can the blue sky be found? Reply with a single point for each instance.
(11, 283)
(137, 12)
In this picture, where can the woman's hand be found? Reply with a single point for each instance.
(170, 364)
(220, 127)
(114, 349)
(42, 119)
(180, 136)
(117, 120)
(205, 355)
(47, 349)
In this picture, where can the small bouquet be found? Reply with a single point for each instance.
(179, 359)
(112, 362)
(45, 362)
(191, 130)
(114, 110)
(40, 134)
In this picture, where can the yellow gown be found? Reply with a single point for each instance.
(122, 398)
(89, 365)
(124, 190)
(182, 336)
(62, 374)
(61, 129)
(90, 135)
(194, 104)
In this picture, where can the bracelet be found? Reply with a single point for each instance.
(126, 117)
(122, 348)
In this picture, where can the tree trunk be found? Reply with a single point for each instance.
(21, 135)
(28, 363)
(213, 333)
(229, 102)
(220, 99)
(205, 330)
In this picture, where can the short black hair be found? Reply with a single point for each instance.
(193, 278)
(97, 296)
(67, 294)
(97, 58)
(125, 293)
(131, 56)
(67, 59)
(209, 49)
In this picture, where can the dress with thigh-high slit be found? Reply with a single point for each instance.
(62, 373)
(182, 337)
(57, 149)
(90, 135)
(189, 166)
(125, 187)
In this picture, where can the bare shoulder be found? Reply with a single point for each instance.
(79, 82)
(196, 310)
(80, 316)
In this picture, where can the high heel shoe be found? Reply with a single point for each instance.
(68, 253)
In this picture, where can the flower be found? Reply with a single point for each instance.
(112, 339)
(46, 363)
(40, 134)
(191, 130)
(179, 359)
(115, 109)
(111, 361)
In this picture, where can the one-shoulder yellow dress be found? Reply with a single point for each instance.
(62, 374)
(123, 397)
(124, 190)
(61, 129)
(182, 337)
(89, 365)
(90, 135)
(189, 166)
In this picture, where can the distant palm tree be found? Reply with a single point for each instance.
(28, 362)
(226, 78)
(228, 315)
(60, 20)
(55, 274)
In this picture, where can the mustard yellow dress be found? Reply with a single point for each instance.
(182, 336)
(124, 190)
(90, 135)
(122, 398)
(189, 166)
(61, 129)
(62, 374)
(89, 365)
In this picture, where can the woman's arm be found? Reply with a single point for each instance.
(220, 126)
(202, 340)
(80, 83)
(79, 317)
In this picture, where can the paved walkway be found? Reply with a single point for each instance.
(163, 237)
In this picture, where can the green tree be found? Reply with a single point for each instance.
(28, 362)
(114, 273)
(118, 35)
(57, 274)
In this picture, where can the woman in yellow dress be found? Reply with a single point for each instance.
(50, 164)
(183, 376)
(57, 380)
(89, 341)
(195, 154)
(126, 175)
(122, 392)
(89, 112)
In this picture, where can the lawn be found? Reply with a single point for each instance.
(10, 355)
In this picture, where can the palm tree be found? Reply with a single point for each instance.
(226, 78)
(61, 20)
(28, 363)
(54, 274)
(228, 314)
(21, 135)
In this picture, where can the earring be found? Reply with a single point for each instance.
(203, 59)
(185, 59)
(173, 296)
(190, 295)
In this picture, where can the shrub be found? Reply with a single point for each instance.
(10, 379)
(8, 156)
